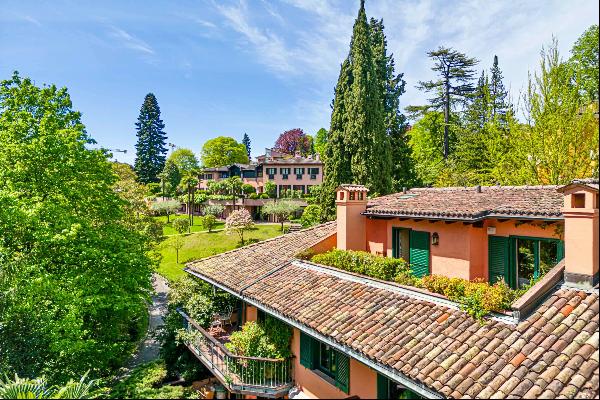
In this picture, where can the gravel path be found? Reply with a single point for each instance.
(150, 347)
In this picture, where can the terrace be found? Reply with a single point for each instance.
(264, 377)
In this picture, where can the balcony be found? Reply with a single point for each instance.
(264, 377)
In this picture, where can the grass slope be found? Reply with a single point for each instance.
(204, 244)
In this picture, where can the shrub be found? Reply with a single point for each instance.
(208, 222)
(477, 297)
(362, 262)
(181, 225)
(312, 215)
(248, 189)
(215, 210)
(254, 196)
(270, 339)
(264, 196)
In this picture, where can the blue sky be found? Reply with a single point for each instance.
(255, 66)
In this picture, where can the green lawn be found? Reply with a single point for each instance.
(168, 228)
(204, 244)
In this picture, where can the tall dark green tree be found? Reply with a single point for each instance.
(150, 147)
(246, 142)
(392, 86)
(451, 89)
(498, 93)
(336, 158)
(365, 132)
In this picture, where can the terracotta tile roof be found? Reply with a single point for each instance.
(554, 352)
(356, 188)
(469, 204)
(592, 183)
(239, 268)
(292, 160)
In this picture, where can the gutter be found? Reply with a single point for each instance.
(459, 219)
(419, 388)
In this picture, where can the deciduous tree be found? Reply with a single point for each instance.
(222, 151)
(293, 141)
(238, 222)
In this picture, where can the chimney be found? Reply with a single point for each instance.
(581, 233)
(478, 188)
(317, 157)
(351, 201)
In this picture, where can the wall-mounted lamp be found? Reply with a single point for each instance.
(435, 239)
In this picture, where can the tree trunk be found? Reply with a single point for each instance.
(177, 251)
(193, 207)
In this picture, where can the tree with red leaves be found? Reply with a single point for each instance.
(292, 141)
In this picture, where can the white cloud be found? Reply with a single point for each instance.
(129, 41)
(32, 20)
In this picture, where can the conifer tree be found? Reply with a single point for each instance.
(150, 147)
(392, 86)
(246, 142)
(365, 133)
(336, 159)
(451, 89)
(498, 93)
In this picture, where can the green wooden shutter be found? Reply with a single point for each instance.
(342, 372)
(498, 267)
(306, 351)
(419, 253)
(383, 387)
(395, 242)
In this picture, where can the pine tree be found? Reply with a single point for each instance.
(498, 93)
(246, 142)
(451, 89)
(336, 159)
(392, 86)
(365, 133)
(150, 147)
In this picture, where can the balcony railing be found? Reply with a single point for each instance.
(266, 377)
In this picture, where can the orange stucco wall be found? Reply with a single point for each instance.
(251, 313)
(363, 380)
(325, 245)
(462, 251)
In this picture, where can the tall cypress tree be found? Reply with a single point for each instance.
(150, 147)
(365, 132)
(392, 86)
(336, 159)
(246, 142)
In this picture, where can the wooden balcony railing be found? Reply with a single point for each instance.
(265, 377)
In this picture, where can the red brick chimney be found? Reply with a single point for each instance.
(581, 232)
(351, 201)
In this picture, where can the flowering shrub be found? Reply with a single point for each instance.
(238, 222)
(477, 297)
(362, 262)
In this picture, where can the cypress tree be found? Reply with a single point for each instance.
(392, 86)
(336, 158)
(150, 147)
(246, 142)
(365, 133)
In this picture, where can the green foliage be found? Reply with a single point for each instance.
(477, 298)
(222, 151)
(181, 225)
(364, 263)
(269, 339)
(584, 62)
(246, 143)
(281, 210)
(150, 147)
(76, 261)
(254, 196)
(215, 210)
(264, 196)
(239, 222)
(312, 215)
(427, 142)
(184, 159)
(320, 141)
(153, 189)
(270, 189)
(146, 382)
(208, 222)
(170, 177)
(24, 388)
(248, 189)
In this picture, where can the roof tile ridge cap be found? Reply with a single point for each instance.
(258, 243)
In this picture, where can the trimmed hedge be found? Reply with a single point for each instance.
(364, 263)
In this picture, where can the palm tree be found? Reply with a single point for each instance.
(25, 388)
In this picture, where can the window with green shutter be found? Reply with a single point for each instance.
(306, 351)
(419, 253)
(498, 266)
(383, 387)
(342, 375)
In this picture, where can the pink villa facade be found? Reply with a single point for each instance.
(285, 171)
